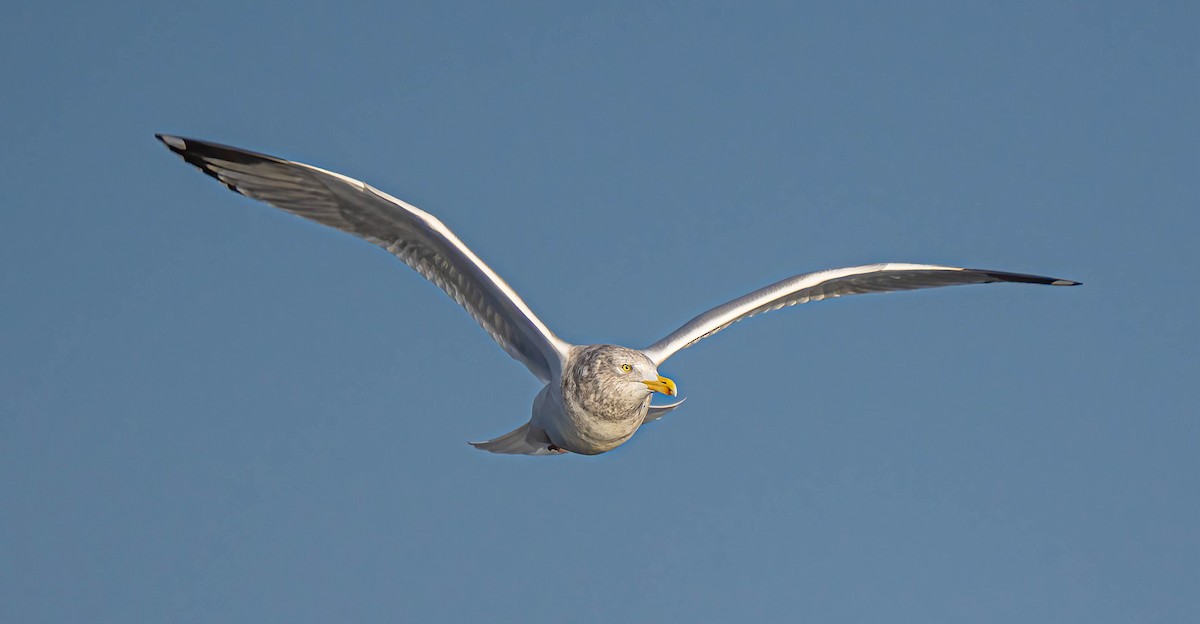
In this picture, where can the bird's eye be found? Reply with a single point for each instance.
(626, 367)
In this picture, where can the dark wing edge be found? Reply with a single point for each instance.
(873, 278)
(417, 238)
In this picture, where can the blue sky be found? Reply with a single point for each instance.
(211, 411)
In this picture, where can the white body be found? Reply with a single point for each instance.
(578, 431)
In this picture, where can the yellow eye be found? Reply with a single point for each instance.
(626, 367)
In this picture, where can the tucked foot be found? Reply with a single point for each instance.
(555, 449)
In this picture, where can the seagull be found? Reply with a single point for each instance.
(595, 396)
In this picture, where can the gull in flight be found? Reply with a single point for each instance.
(595, 396)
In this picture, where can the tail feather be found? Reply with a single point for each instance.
(524, 440)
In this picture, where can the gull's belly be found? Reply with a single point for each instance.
(580, 431)
(589, 434)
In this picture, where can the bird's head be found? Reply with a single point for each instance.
(614, 378)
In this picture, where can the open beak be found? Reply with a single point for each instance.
(662, 385)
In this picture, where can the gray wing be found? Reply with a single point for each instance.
(412, 235)
(658, 411)
(858, 280)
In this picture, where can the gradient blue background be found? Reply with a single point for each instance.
(211, 411)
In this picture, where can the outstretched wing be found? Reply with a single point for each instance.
(858, 280)
(414, 236)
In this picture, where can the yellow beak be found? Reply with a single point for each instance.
(663, 386)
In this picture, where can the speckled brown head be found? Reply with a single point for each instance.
(612, 382)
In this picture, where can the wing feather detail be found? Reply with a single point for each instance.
(415, 237)
(872, 278)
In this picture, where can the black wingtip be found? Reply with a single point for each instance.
(1002, 276)
(195, 154)
(173, 143)
(195, 148)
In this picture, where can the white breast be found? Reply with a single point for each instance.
(578, 431)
